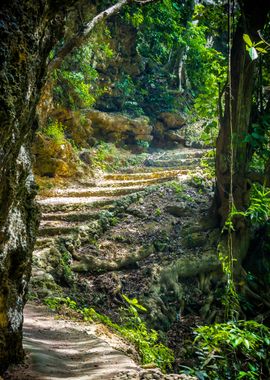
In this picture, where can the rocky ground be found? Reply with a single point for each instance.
(144, 232)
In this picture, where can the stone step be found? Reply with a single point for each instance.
(188, 153)
(151, 169)
(173, 162)
(59, 231)
(76, 216)
(38, 252)
(161, 174)
(67, 204)
(134, 182)
(42, 242)
(56, 223)
(96, 192)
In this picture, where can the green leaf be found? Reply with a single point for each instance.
(246, 343)
(237, 342)
(253, 53)
(261, 50)
(247, 40)
(259, 43)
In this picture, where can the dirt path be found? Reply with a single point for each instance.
(63, 349)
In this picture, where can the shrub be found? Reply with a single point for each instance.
(233, 350)
(55, 131)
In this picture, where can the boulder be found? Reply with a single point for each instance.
(76, 127)
(158, 130)
(175, 136)
(178, 210)
(171, 120)
(168, 129)
(53, 158)
(119, 128)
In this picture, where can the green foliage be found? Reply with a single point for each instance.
(107, 156)
(166, 35)
(55, 130)
(133, 329)
(207, 163)
(254, 48)
(77, 81)
(230, 298)
(259, 136)
(143, 144)
(157, 212)
(133, 304)
(233, 350)
(158, 40)
(130, 96)
(206, 69)
(177, 187)
(135, 17)
(65, 263)
(107, 219)
(258, 210)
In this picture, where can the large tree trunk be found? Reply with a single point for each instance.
(28, 31)
(253, 18)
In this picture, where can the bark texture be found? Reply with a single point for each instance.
(28, 31)
(254, 17)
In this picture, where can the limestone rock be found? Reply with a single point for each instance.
(119, 128)
(28, 32)
(175, 136)
(158, 130)
(168, 129)
(77, 127)
(172, 120)
(53, 158)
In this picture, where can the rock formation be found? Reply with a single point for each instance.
(53, 158)
(28, 31)
(168, 129)
(120, 128)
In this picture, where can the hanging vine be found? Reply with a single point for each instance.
(231, 300)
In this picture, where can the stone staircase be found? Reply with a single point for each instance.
(69, 215)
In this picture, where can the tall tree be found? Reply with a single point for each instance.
(233, 154)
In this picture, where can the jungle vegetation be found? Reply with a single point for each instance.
(207, 60)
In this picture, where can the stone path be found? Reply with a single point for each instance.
(65, 210)
(65, 349)
(68, 214)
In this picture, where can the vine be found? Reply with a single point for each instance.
(231, 299)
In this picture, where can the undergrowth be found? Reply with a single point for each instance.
(55, 131)
(234, 350)
(132, 328)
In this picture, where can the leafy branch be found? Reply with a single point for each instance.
(254, 48)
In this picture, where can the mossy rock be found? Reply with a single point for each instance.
(53, 158)
(78, 128)
(195, 240)
(171, 120)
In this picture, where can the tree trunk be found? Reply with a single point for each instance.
(253, 18)
(28, 31)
